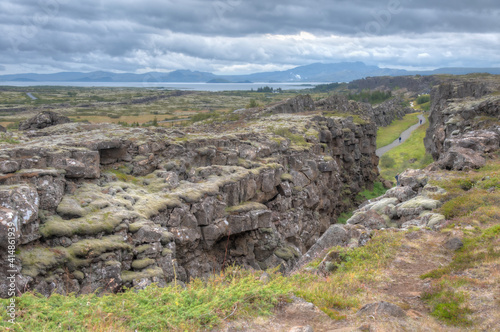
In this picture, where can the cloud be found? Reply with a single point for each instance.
(243, 36)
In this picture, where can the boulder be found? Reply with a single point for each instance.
(382, 308)
(20, 203)
(42, 120)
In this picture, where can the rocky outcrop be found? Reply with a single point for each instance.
(464, 124)
(417, 84)
(405, 206)
(43, 120)
(382, 114)
(100, 207)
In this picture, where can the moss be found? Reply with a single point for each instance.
(286, 177)
(143, 248)
(166, 252)
(38, 260)
(129, 276)
(136, 226)
(103, 221)
(286, 253)
(150, 205)
(95, 247)
(246, 207)
(78, 275)
(140, 264)
(70, 207)
(166, 237)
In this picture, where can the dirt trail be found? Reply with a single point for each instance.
(421, 252)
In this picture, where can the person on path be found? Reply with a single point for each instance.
(399, 139)
(397, 180)
(420, 121)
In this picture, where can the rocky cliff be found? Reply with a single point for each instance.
(415, 84)
(464, 123)
(100, 207)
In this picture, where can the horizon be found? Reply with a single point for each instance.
(409, 69)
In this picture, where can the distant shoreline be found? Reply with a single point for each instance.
(171, 85)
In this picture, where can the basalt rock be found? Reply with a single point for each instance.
(463, 124)
(42, 120)
(107, 207)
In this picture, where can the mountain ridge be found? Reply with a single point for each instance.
(316, 72)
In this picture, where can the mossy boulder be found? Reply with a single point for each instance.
(140, 264)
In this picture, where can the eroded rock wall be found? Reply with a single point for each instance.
(99, 207)
(464, 123)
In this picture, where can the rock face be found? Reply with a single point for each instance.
(99, 207)
(464, 124)
(382, 115)
(416, 84)
(407, 206)
(42, 120)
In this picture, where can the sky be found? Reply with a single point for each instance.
(245, 36)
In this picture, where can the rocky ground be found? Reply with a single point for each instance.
(102, 207)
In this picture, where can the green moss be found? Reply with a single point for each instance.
(78, 275)
(70, 207)
(166, 237)
(39, 260)
(140, 264)
(286, 177)
(286, 253)
(246, 207)
(95, 247)
(136, 226)
(103, 221)
(143, 248)
(129, 276)
(166, 252)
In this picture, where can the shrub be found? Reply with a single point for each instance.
(423, 99)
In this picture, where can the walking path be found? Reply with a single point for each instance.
(31, 96)
(404, 136)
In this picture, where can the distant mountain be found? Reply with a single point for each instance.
(316, 72)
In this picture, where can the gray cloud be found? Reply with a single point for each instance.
(242, 36)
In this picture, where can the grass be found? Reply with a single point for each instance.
(344, 290)
(387, 135)
(202, 304)
(472, 200)
(206, 304)
(447, 303)
(398, 159)
(296, 139)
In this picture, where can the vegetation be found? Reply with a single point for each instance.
(472, 201)
(205, 304)
(410, 154)
(387, 135)
(322, 88)
(372, 97)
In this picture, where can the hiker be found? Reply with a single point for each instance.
(397, 180)
(420, 121)
(399, 139)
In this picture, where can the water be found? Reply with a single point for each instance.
(172, 86)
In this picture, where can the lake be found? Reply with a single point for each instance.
(172, 86)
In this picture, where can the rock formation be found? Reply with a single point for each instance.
(99, 207)
(464, 123)
(42, 120)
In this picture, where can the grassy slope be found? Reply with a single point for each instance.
(387, 135)
(398, 159)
